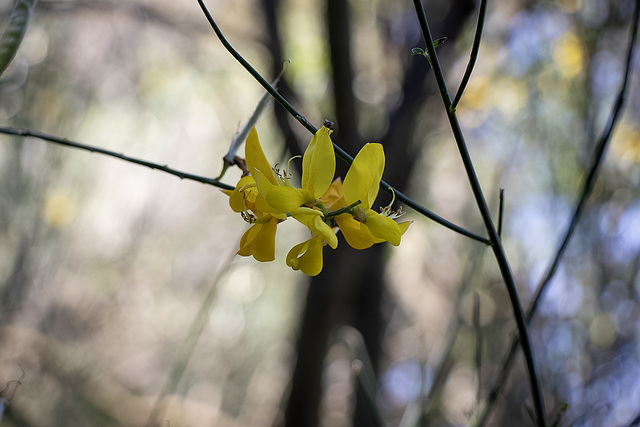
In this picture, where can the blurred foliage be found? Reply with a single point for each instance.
(105, 265)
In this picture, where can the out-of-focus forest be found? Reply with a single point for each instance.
(122, 299)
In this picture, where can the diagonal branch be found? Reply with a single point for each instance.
(311, 128)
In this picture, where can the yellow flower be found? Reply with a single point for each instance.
(365, 227)
(259, 240)
(307, 256)
(266, 197)
(313, 220)
(318, 168)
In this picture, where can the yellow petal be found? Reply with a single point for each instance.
(355, 233)
(262, 206)
(264, 186)
(288, 199)
(318, 164)
(363, 178)
(333, 193)
(259, 241)
(383, 227)
(338, 203)
(312, 219)
(307, 256)
(237, 196)
(323, 230)
(292, 256)
(256, 160)
(404, 226)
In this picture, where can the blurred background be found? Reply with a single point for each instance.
(120, 293)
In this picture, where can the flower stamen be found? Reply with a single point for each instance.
(248, 217)
(387, 211)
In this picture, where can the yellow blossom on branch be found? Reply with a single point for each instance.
(318, 168)
(364, 227)
(307, 256)
(259, 240)
(265, 197)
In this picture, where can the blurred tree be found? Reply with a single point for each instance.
(350, 289)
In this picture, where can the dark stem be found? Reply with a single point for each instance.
(67, 143)
(339, 151)
(500, 212)
(478, 351)
(473, 57)
(587, 187)
(496, 243)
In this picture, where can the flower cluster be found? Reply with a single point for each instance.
(265, 197)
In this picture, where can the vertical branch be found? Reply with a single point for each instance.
(496, 244)
(587, 187)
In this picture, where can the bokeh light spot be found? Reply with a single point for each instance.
(602, 331)
(568, 56)
(61, 207)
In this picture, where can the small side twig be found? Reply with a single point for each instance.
(472, 58)
(7, 394)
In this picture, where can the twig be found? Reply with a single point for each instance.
(188, 345)
(587, 187)
(472, 58)
(496, 244)
(501, 213)
(339, 151)
(478, 350)
(67, 143)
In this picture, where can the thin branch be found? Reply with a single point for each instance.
(596, 161)
(478, 351)
(496, 244)
(265, 84)
(501, 213)
(311, 128)
(213, 181)
(186, 348)
(587, 187)
(473, 57)
(67, 143)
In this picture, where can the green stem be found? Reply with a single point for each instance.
(323, 208)
(496, 243)
(346, 209)
(472, 58)
(339, 151)
(67, 143)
